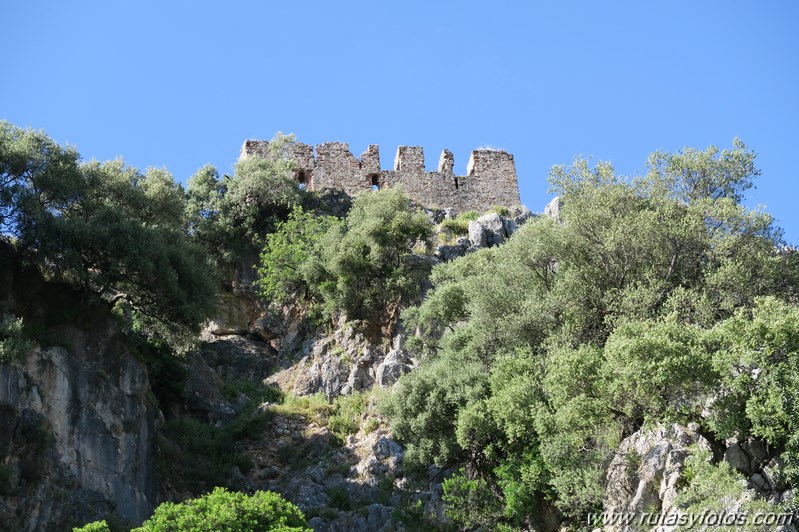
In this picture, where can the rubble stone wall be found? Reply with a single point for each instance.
(490, 178)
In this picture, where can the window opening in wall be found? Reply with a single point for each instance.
(456, 183)
(375, 180)
(301, 180)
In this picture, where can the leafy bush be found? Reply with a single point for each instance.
(539, 356)
(347, 412)
(285, 259)
(97, 526)
(314, 407)
(470, 503)
(232, 215)
(339, 498)
(757, 357)
(195, 455)
(460, 224)
(107, 228)
(255, 391)
(14, 346)
(718, 487)
(368, 267)
(225, 511)
(360, 267)
(498, 209)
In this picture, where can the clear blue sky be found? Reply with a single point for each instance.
(181, 84)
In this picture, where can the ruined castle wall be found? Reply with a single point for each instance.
(491, 176)
(370, 161)
(337, 167)
(490, 180)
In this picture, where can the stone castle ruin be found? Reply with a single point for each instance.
(490, 178)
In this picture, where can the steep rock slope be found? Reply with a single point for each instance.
(77, 418)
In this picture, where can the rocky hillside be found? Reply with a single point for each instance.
(77, 417)
(627, 360)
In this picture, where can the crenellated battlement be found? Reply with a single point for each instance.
(490, 174)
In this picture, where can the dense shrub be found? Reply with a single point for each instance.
(232, 215)
(364, 267)
(225, 511)
(460, 224)
(539, 356)
(287, 258)
(14, 346)
(108, 228)
(97, 526)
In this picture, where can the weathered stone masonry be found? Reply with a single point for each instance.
(490, 175)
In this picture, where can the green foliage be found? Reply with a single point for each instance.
(347, 412)
(283, 274)
(717, 487)
(499, 209)
(261, 192)
(371, 425)
(195, 455)
(657, 369)
(314, 407)
(225, 511)
(231, 215)
(97, 526)
(36, 175)
(470, 503)
(460, 224)
(412, 515)
(364, 266)
(757, 357)
(426, 407)
(539, 356)
(165, 371)
(204, 204)
(339, 498)
(106, 227)
(255, 391)
(367, 265)
(350, 410)
(14, 346)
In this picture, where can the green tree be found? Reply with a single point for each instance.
(97, 526)
(36, 176)
(14, 346)
(756, 353)
(575, 333)
(288, 256)
(231, 216)
(221, 511)
(204, 210)
(368, 267)
(115, 232)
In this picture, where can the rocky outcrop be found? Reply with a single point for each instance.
(229, 358)
(553, 208)
(77, 416)
(647, 469)
(488, 230)
(762, 467)
(493, 229)
(78, 438)
(644, 473)
(354, 485)
(342, 363)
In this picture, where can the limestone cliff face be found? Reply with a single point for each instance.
(77, 418)
(78, 438)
